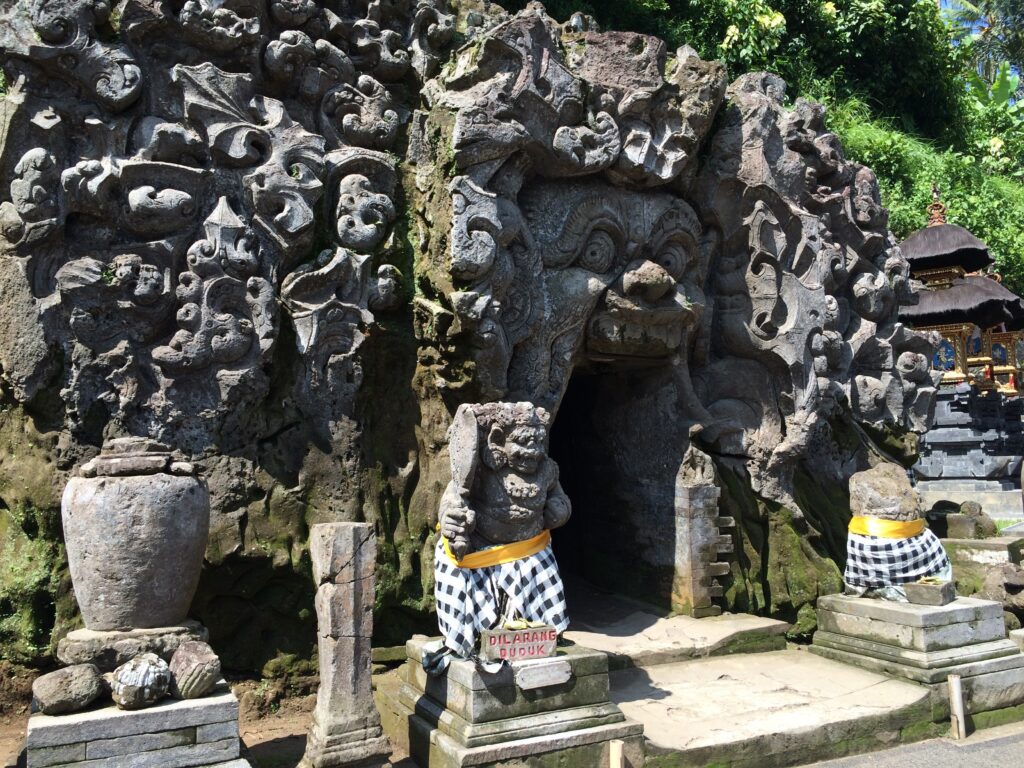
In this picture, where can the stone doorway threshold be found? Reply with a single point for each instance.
(635, 634)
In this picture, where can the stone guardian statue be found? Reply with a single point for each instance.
(888, 544)
(493, 563)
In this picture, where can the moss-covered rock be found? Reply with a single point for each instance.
(35, 596)
(781, 566)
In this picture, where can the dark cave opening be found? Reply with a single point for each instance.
(573, 438)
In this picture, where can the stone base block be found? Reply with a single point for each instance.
(589, 747)
(171, 734)
(357, 748)
(925, 628)
(468, 717)
(109, 650)
(917, 642)
(994, 551)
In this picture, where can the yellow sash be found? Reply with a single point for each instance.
(505, 553)
(886, 529)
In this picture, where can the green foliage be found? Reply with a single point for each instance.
(990, 33)
(980, 194)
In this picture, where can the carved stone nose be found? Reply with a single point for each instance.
(648, 280)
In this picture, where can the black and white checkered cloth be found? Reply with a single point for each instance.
(875, 562)
(473, 599)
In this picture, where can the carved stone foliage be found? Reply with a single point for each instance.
(173, 171)
(584, 236)
(807, 284)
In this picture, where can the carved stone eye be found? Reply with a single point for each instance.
(599, 252)
(673, 258)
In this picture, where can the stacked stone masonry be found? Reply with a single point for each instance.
(470, 717)
(925, 644)
(171, 734)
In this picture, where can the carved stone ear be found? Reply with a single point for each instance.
(494, 451)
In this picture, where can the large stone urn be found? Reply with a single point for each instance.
(136, 525)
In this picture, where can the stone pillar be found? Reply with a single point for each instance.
(346, 726)
(699, 542)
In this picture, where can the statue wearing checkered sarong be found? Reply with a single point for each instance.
(888, 544)
(493, 563)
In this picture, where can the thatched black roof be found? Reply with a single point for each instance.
(974, 299)
(945, 245)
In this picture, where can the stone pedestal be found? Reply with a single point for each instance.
(468, 717)
(925, 644)
(171, 734)
(346, 727)
(109, 650)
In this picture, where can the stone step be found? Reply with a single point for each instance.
(635, 635)
(768, 709)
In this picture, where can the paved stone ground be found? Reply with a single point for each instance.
(768, 707)
(993, 748)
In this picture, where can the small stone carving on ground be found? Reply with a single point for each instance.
(493, 563)
(67, 690)
(141, 682)
(970, 522)
(888, 544)
(195, 670)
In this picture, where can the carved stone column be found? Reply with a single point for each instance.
(699, 544)
(346, 726)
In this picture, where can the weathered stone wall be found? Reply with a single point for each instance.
(288, 238)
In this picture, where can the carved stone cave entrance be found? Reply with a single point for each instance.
(617, 455)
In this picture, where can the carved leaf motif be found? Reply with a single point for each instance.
(221, 102)
(360, 114)
(475, 228)
(431, 31)
(327, 302)
(588, 149)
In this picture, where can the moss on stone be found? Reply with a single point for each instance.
(779, 570)
(34, 588)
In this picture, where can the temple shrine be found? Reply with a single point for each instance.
(973, 449)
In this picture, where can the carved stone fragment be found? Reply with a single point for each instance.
(141, 682)
(195, 670)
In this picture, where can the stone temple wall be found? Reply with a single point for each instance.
(287, 238)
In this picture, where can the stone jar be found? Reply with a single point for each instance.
(136, 524)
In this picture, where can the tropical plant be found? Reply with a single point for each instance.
(991, 32)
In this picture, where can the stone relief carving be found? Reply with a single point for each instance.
(583, 234)
(181, 218)
(207, 207)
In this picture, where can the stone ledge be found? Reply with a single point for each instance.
(108, 650)
(110, 723)
(991, 551)
(961, 610)
(924, 666)
(1011, 665)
